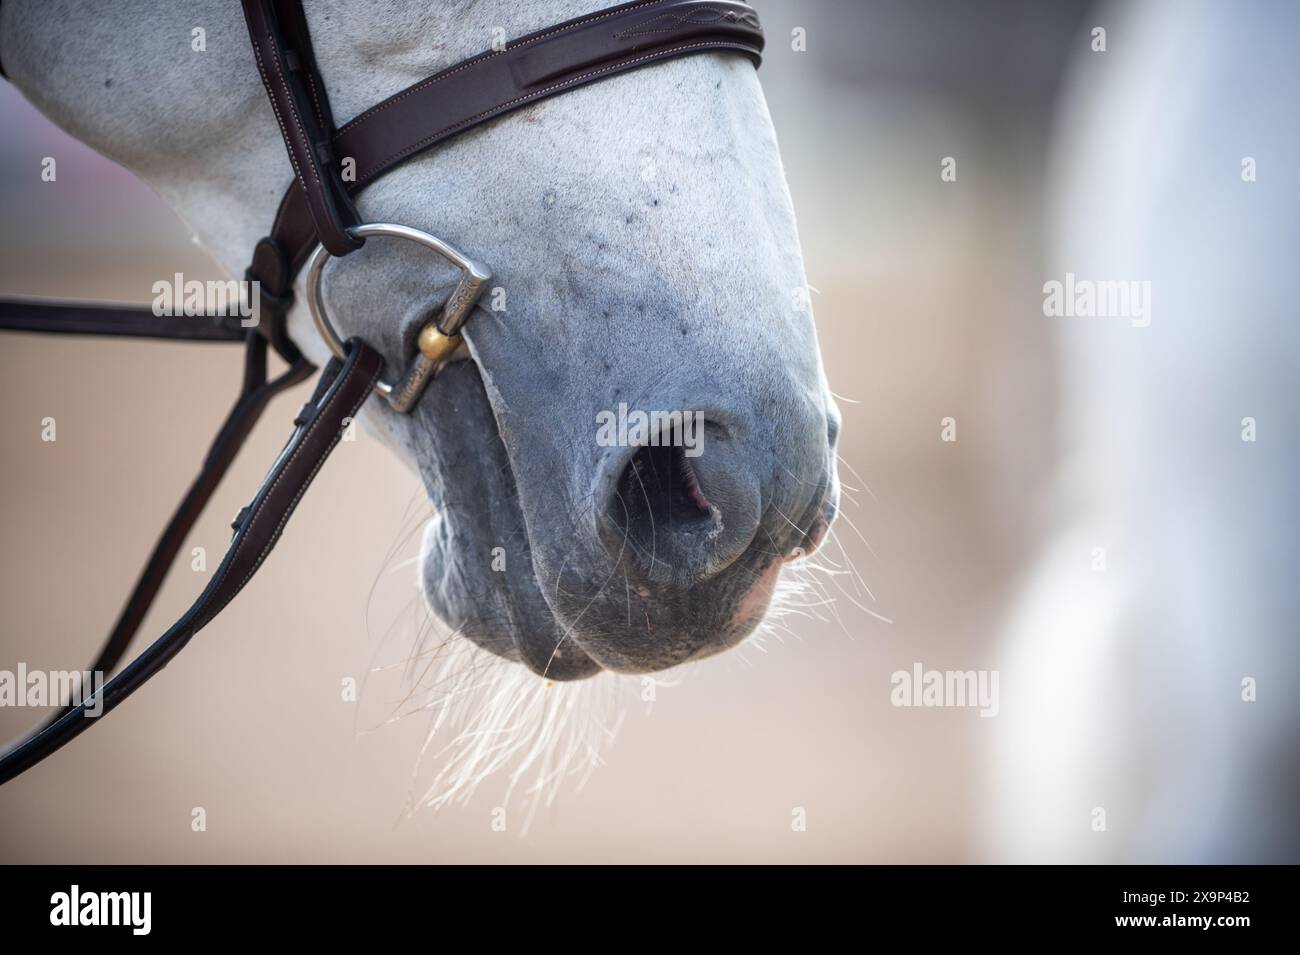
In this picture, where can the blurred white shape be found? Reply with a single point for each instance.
(1123, 689)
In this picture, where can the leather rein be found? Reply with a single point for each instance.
(317, 220)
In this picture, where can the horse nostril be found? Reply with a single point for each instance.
(659, 509)
(660, 486)
(677, 519)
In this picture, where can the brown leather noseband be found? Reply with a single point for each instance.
(317, 212)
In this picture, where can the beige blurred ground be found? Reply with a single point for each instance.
(919, 317)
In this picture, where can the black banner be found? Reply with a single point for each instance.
(301, 904)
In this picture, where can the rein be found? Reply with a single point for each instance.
(317, 220)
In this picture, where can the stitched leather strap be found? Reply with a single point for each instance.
(543, 64)
(297, 93)
(343, 387)
(88, 318)
(285, 60)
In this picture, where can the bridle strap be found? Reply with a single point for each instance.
(540, 65)
(343, 387)
(282, 48)
(130, 321)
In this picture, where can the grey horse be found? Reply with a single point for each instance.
(644, 253)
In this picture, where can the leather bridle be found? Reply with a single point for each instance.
(317, 213)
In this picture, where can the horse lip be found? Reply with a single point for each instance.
(754, 603)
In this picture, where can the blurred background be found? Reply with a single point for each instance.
(928, 298)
